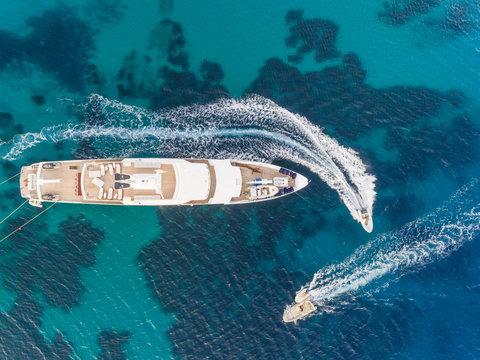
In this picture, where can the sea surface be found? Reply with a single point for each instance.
(377, 102)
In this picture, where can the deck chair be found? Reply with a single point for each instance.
(94, 173)
(96, 181)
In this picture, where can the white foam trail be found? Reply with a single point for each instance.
(256, 111)
(416, 244)
(251, 128)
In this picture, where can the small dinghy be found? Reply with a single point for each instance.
(262, 192)
(302, 308)
(366, 219)
(301, 296)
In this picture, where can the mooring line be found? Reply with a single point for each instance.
(29, 221)
(10, 178)
(14, 211)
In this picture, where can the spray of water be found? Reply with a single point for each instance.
(411, 247)
(253, 128)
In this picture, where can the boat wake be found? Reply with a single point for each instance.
(252, 128)
(391, 255)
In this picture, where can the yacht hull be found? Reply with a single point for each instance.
(303, 307)
(157, 182)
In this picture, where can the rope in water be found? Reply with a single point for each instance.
(29, 221)
(10, 178)
(14, 211)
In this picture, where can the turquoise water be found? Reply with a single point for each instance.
(116, 294)
(396, 82)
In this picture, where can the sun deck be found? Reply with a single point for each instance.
(99, 178)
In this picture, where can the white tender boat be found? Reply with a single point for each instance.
(301, 309)
(157, 182)
(366, 219)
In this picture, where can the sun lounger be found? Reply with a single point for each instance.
(110, 169)
(94, 173)
(110, 194)
(122, 177)
(121, 185)
(117, 168)
(100, 193)
(147, 197)
(147, 164)
(120, 194)
(102, 170)
(98, 182)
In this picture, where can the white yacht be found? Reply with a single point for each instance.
(303, 306)
(157, 182)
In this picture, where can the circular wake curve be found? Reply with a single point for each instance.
(252, 128)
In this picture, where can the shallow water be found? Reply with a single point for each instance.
(395, 84)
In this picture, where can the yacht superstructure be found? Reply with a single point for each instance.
(157, 181)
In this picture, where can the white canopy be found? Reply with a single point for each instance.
(228, 181)
(192, 181)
